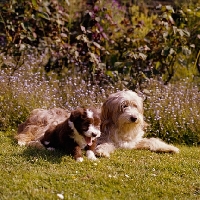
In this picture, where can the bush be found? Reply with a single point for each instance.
(103, 39)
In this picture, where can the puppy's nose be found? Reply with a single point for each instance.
(94, 134)
(133, 119)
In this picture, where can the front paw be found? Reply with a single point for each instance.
(37, 144)
(101, 152)
(173, 149)
(79, 159)
(90, 155)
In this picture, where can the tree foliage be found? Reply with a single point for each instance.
(102, 39)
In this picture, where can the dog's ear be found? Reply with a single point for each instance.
(106, 113)
(143, 94)
(77, 114)
(74, 115)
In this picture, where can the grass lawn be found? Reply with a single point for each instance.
(129, 174)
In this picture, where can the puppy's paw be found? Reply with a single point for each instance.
(51, 149)
(21, 143)
(90, 155)
(79, 159)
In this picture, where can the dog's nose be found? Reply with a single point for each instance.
(133, 119)
(94, 134)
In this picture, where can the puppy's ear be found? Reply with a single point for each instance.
(76, 114)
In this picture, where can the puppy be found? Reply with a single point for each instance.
(122, 126)
(77, 132)
(40, 120)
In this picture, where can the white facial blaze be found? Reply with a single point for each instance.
(89, 113)
(94, 130)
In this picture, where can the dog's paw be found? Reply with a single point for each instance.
(173, 149)
(79, 159)
(90, 155)
(20, 143)
(105, 149)
(51, 149)
(101, 153)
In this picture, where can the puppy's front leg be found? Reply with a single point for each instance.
(90, 151)
(77, 153)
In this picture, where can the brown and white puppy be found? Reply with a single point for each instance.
(122, 126)
(77, 132)
(40, 120)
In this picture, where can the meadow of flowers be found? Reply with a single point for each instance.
(172, 110)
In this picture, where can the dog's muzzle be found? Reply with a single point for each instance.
(133, 118)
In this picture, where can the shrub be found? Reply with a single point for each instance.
(102, 39)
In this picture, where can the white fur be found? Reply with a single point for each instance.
(92, 129)
(79, 159)
(51, 149)
(79, 139)
(90, 155)
(123, 126)
(89, 113)
(21, 143)
(46, 142)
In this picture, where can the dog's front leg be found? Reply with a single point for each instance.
(105, 149)
(90, 151)
(77, 153)
(156, 145)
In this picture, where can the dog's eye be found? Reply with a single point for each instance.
(134, 105)
(85, 128)
(124, 106)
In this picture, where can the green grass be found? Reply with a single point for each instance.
(129, 174)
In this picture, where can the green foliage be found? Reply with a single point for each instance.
(94, 39)
(129, 174)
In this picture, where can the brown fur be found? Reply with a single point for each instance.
(37, 123)
(59, 129)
